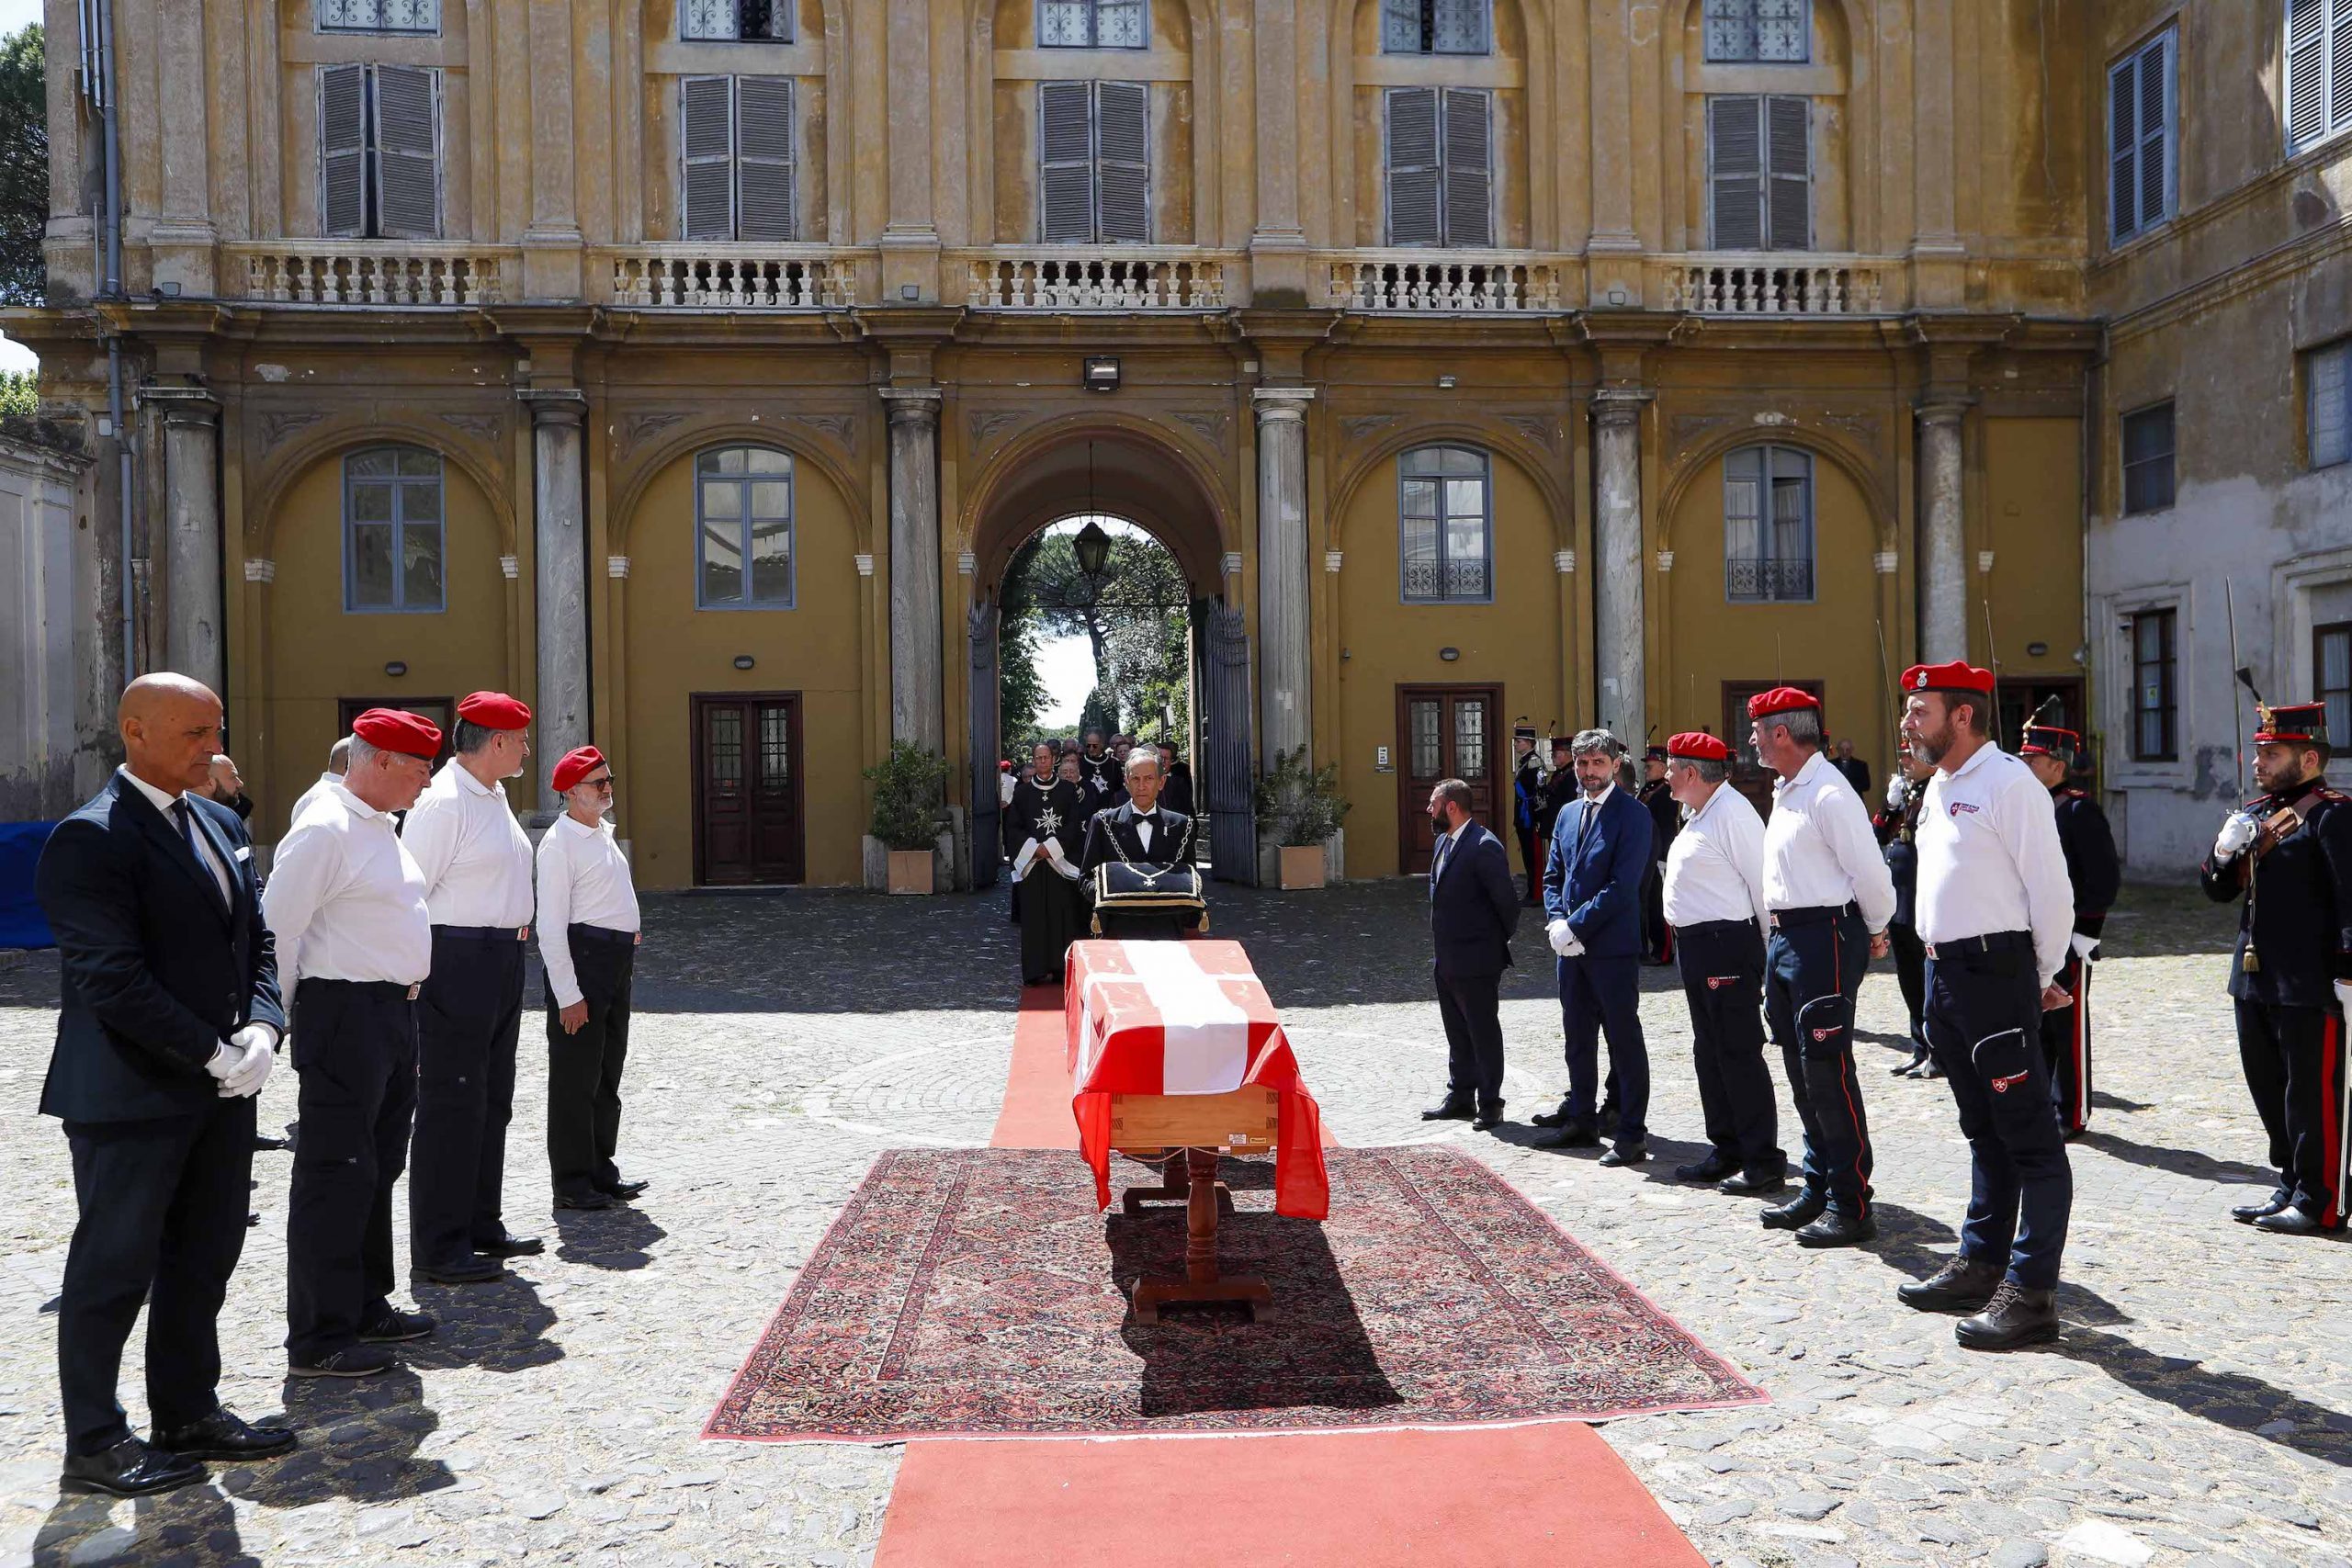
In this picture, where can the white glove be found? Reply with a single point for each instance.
(2236, 833)
(261, 1056)
(1895, 793)
(226, 1059)
(2085, 947)
(1563, 941)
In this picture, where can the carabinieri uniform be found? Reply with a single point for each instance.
(2096, 874)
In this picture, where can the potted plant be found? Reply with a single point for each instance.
(909, 787)
(1299, 812)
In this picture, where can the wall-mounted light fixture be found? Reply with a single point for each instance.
(1449, 654)
(742, 661)
(395, 668)
(1101, 375)
(1445, 383)
(2037, 649)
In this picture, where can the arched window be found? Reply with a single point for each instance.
(743, 529)
(391, 531)
(1445, 525)
(1768, 524)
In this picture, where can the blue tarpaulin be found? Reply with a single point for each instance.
(20, 920)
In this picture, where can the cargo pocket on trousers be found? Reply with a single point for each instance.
(1821, 1025)
(2004, 1062)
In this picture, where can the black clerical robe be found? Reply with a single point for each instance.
(1051, 897)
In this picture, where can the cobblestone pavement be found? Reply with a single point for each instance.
(2199, 1410)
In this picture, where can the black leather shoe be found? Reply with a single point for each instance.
(351, 1361)
(1928, 1069)
(395, 1325)
(1753, 1182)
(480, 1270)
(265, 1144)
(130, 1469)
(591, 1198)
(1488, 1118)
(1836, 1227)
(1714, 1167)
(1448, 1109)
(508, 1244)
(1625, 1154)
(224, 1435)
(2014, 1316)
(1570, 1138)
(1797, 1213)
(2291, 1221)
(1558, 1116)
(624, 1192)
(1962, 1282)
(2247, 1213)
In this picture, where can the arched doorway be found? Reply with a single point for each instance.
(1085, 468)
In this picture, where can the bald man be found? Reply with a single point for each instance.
(168, 1025)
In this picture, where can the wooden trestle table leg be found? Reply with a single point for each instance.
(1202, 1282)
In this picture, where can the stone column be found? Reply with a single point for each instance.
(918, 684)
(1944, 571)
(560, 531)
(1617, 575)
(195, 637)
(1285, 671)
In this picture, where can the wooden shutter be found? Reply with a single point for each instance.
(1736, 172)
(1469, 168)
(1413, 175)
(2155, 131)
(408, 153)
(2123, 148)
(343, 151)
(1787, 137)
(707, 137)
(1124, 163)
(2339, 114)
(2307, 85)
(763, 171)
(1066, 163)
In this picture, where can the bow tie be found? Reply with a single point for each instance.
(1147, 818)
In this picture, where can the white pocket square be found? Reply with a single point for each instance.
(244, 852)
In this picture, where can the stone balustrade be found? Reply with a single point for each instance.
(1441, 283)
(361, 272)
(733, 277)
(1752, 285)
(1054, 277)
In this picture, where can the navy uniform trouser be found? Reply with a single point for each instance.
(356, 1053)
(1598, 995)
(1910, 976)
(468, 1017)
(2294, 1061)
(585, 1066)
(2066, 1046)
(1722, 964)
(162, 1221)
(1813, 967)
(1985, 1026)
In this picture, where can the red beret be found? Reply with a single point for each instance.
(1959, 677)
(391, 729)
(1698, 746)
(576, 765)
(1780, 699)
(494, 710)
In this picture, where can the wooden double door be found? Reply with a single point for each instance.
(1448, 732)
(747, 762)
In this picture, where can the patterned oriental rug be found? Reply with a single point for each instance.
(977, 1293)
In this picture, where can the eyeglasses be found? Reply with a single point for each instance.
(603, 784)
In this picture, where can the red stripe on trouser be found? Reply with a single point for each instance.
(2078, 1114)
(1846, 1074)
(2335, 1114)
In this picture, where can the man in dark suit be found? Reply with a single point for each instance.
(1592, 890)
(1141, 832)
(168, 1024)
(1474, 909)
(1856, 772)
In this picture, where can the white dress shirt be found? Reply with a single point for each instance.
(311, 796)
(1820, 849)
(1714, 869)
(1989, 858)
(475, 856)
(583, 881)
(170, 806)
(345, 900)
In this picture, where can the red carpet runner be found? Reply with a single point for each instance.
(1348, 1500)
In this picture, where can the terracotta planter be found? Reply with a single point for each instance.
(1303, 866)
(910, 871)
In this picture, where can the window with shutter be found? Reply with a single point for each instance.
(1415, 217)
(1124, 163)
(2142, 151)
(763, 202)
(1736, 172)
(706, 136)
(408, 153)
(1468, 165)
(2148, 459)
(2328, 374)
(1066, 163)
(1787, 188)
(2319, 70)
(343, 152)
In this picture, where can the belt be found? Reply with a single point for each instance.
(604, 935)
(388, 989)
(1992, 941)
(484, 933)
(1813, 915)
(1716, 928)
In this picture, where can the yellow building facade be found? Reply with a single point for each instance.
(693, 371)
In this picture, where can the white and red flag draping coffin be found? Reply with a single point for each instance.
(1185, 1018)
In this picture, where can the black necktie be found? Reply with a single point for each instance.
(185, 814)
